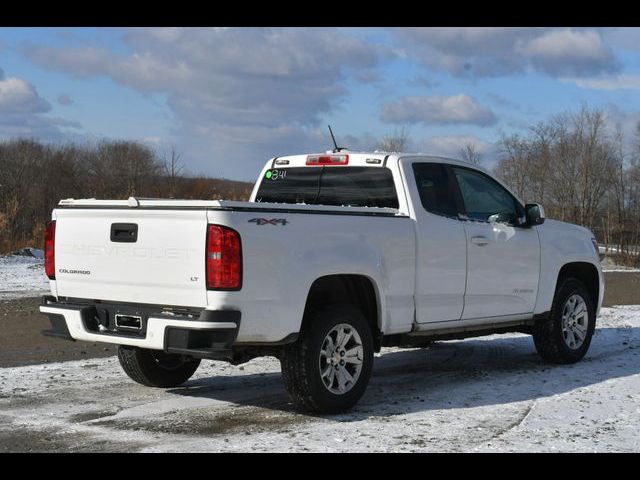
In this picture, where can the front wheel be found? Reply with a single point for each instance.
(327, 370)
(155, 368)
(566, 335)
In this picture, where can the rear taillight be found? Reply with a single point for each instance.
(224, 258)
(49, 250)
(341, 159)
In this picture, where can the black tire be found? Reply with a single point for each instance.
(301, 360)
(155, 368)
(548, 336)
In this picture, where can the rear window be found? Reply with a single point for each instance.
(348, 186)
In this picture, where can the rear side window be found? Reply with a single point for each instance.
(435, 188)
(348, 186)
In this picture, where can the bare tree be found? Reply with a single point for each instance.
(172, 170)
(35, 176)
(513, 165)
(394, 142)
(470, 154)
(572, 164)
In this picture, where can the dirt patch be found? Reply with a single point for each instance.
(22, 343)
(621, 288)
(247, 420)
(92, 415)
(21, 439)
(16, 400)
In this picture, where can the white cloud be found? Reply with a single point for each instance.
(458, 109)
(17, 96)
(38, 126)
(560, 52)
(612, 82)
(365, 142)
(22, 113)
(494, 51)
(450, 145)
(238, 95)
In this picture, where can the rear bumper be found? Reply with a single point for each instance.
(209, 335)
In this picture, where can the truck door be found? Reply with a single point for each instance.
(503, 259)
(441, 246)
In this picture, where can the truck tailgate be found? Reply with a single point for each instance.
(163, 261)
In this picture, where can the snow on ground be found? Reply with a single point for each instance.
(22, 276)
(633, 249)
(486, 394)
(621, 269)
(609, 265)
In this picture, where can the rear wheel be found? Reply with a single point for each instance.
(566, 335)
(327, 370)
(155, 368)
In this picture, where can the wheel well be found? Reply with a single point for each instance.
(586, 273)
(356, 290)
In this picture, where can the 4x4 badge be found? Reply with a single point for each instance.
(269, 221)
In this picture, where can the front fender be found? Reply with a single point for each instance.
(561, 244)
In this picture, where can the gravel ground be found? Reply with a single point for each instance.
(486, 394)
(22, 344)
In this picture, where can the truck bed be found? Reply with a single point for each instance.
(285, 248)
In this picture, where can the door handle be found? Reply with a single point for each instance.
(481, 241)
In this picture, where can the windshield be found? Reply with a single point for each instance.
(347, 186)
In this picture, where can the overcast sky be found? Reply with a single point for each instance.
(228, 99)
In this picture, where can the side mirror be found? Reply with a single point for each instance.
(535, 214)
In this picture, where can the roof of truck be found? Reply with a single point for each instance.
(359, 159)
(365, 159)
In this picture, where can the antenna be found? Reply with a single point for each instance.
(337, 148)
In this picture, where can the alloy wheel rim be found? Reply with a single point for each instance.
(575, 321)
(341, 358)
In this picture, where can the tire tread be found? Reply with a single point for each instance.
(547, 333)
(295, 358)
(138, 364)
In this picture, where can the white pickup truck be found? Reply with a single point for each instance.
(334, 256)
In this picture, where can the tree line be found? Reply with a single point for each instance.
(577, 165)
(583, 170)
(34, 176)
